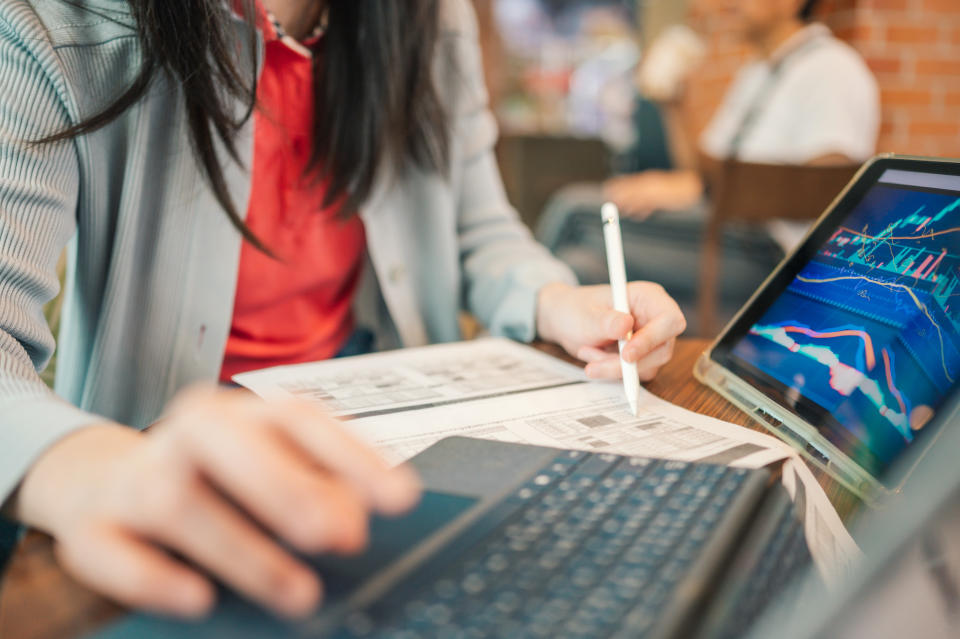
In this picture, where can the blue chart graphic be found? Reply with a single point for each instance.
(870, 328)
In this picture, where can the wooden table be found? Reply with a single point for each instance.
(38, 601)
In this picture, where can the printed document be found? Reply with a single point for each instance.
(416, 378)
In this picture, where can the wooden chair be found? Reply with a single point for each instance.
(752, 194)
(535, 167)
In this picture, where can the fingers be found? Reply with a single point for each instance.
(658, 331)
(214, 534)
(601, 325)
(608, 366)
(388, 490)
(591, 327)
(593, 354)
(135, 573)
(314, 441)
(201, 482)
(276, 483)
(649, 366)
(659, 320)
(594, 329)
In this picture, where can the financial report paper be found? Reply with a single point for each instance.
(416, 378)
(402, 402)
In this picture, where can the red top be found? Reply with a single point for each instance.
(297, 309)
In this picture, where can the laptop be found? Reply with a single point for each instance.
(850, 348)
(513, 540)
(524, 541)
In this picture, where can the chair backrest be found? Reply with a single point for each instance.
(752, 193)
(535, 167)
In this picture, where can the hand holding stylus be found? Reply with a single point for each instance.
(583, 321)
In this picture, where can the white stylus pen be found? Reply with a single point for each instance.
(618, 283)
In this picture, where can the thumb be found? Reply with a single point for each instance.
(603, 324)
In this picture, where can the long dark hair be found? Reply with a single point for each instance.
(375, 98)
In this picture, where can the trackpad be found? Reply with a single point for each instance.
(389, 539)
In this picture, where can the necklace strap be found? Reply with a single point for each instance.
(317, 32)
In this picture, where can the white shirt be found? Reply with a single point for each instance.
(822, 100)
(813, 97)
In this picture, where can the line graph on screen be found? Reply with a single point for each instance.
(870, 328)
(846, 378)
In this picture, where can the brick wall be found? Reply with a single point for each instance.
(912, 46)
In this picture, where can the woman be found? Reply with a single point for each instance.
(133, 125)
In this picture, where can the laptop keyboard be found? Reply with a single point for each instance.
(773, 554)
(593, 545)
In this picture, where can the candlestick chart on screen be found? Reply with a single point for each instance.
(870, 328)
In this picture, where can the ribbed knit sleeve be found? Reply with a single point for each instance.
(38, 197)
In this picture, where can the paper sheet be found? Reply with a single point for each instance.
(587, 416)
(833, 549)
(369, 385)
(402, 402)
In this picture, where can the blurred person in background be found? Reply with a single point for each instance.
(807, 98)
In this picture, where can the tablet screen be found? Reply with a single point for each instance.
(863, 338)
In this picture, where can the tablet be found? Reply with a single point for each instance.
(851, 349)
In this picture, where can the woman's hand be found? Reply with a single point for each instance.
(212, 483)
(583, 322)
(640, 194)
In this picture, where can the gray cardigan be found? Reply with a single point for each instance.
(153, 260)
